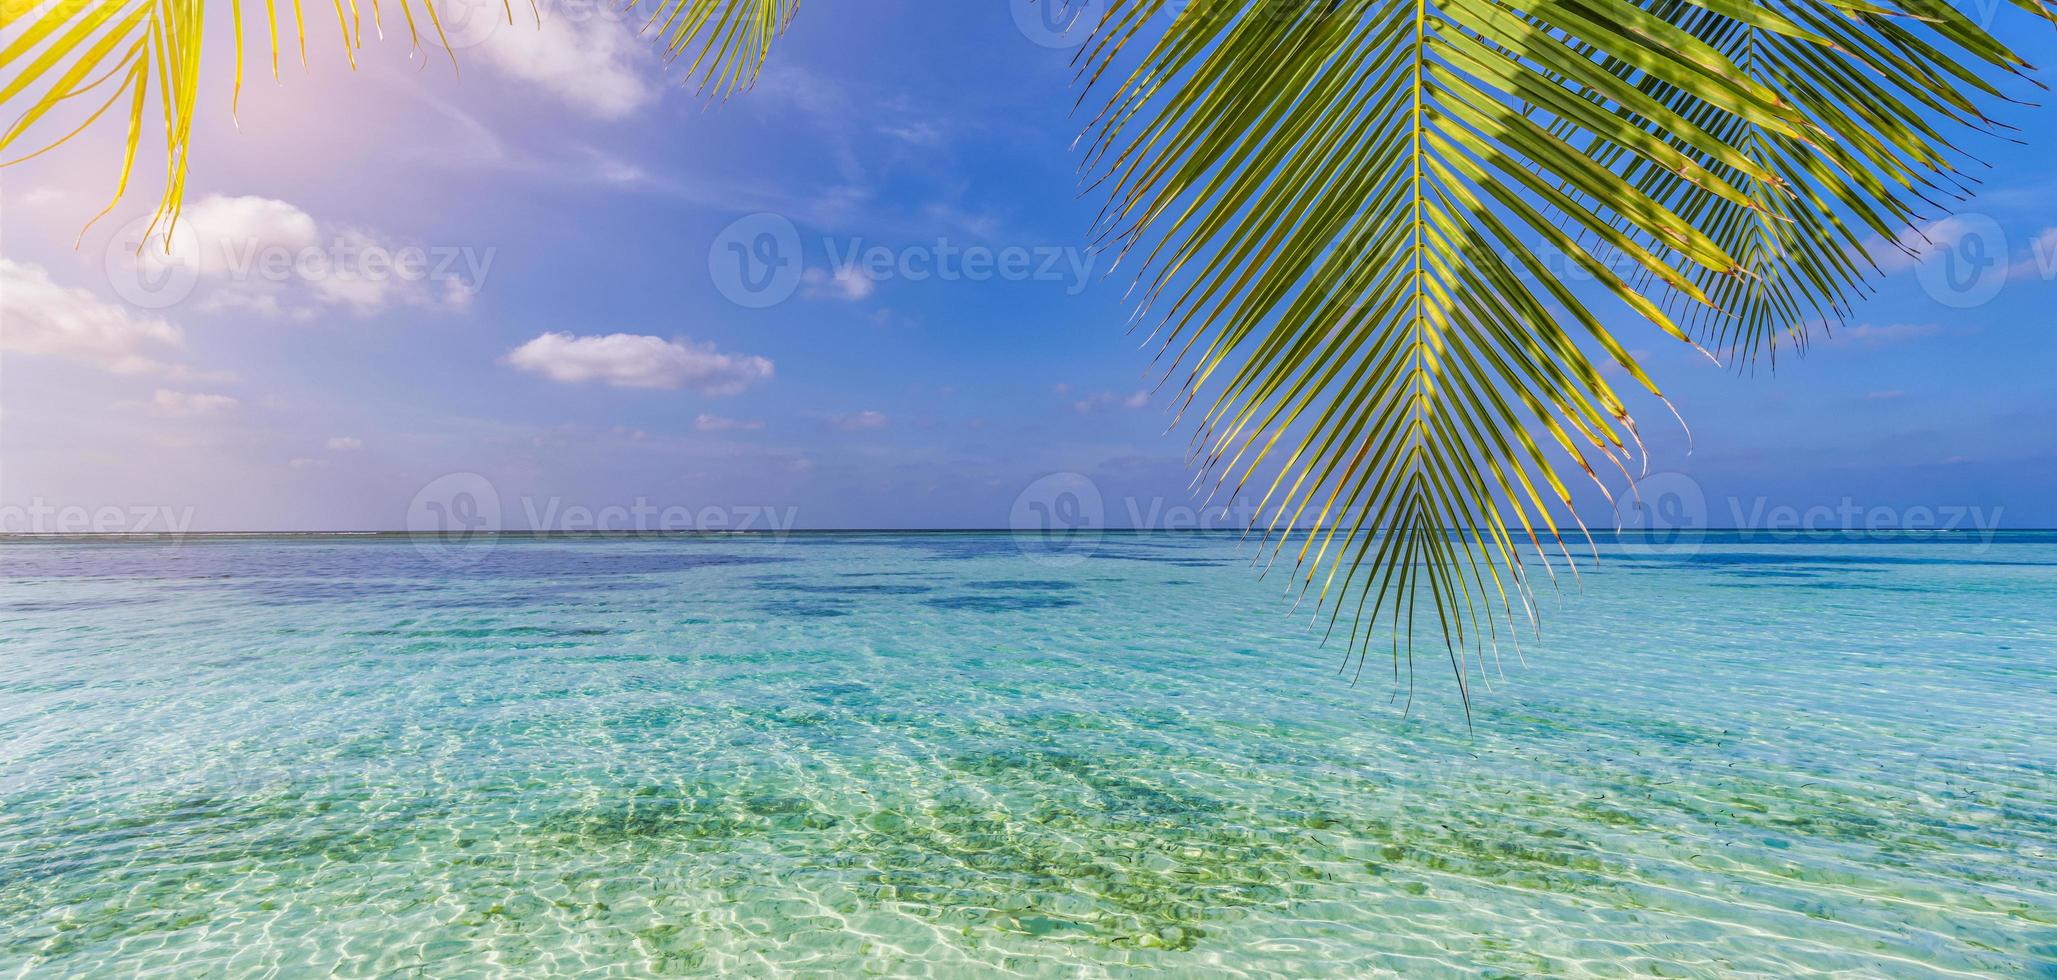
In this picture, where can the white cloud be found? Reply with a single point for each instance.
(632, 361)
(2040, 264)
(1915, 246)
(269, 257)
(363, 294)
(344, 444)
(305, 463)
(859, 421)
(1874, 335)
(1106, 399)
(595, 64)
(716, 423)
(39, 196)
(846, 283)
(182, 404)
(801, 89)
(917, 132)
(264, 304)
(228, 232)
(614, 170)
(44, 319)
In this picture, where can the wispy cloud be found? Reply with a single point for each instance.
(594, 63)
(38, 196)
(1106, 399)
(918, 133)
(847, 283)
(166, 403)
(860, 421)
(1883, 335)
(44, 319)
(2040, 264)
(1919, 244)
(635, 361)
(715, 423)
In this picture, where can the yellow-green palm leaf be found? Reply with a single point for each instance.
(1895, 89)
(1340, 209)
(67, 64)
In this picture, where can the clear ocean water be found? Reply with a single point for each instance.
(954, 756)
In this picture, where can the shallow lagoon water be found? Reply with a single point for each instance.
(949, 755)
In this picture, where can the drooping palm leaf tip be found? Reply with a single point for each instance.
(1341, 211)
(1341, 208)
(69, 63)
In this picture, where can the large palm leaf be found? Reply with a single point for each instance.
(1341, 212)
(1341, 209)
(1890, 96)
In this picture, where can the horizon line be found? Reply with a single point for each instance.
(694, 532)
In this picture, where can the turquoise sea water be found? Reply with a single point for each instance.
(939, 754)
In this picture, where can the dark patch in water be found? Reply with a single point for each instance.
(1026, 584)
(1179, 561)
(805, 608)
(486, 632)
(836, 690)
(76, 605)
(1000, 603)
(825, 588)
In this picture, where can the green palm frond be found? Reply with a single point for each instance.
(1340, 208)
(729, 39)
(1891, 88)
(81, 59)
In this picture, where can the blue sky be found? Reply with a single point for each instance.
(570, 342)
